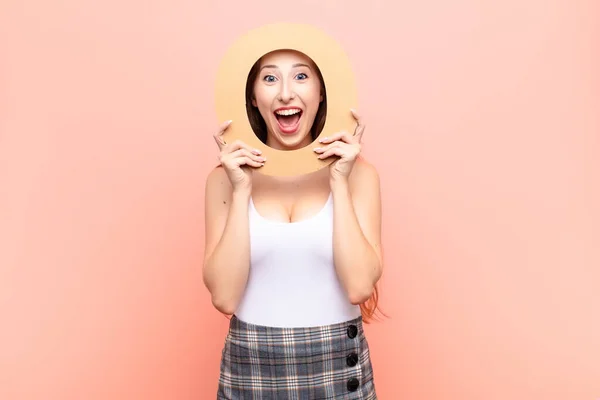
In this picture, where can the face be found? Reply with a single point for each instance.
(287, 93)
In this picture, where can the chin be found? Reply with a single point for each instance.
(291, 142)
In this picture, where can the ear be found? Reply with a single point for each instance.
(254, 102)
(321, 98)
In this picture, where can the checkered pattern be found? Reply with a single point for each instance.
(267, 363)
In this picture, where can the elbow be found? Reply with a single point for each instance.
(227, 307)
(223, 304)
(360, 292)
(358, 296)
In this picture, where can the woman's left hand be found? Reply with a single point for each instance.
(347, 147)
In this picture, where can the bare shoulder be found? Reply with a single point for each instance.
(364, 175)
(217, 183)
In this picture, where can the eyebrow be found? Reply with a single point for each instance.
(293, 66)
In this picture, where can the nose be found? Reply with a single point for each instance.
(286, 94)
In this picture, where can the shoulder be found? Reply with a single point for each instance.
(217, 182)
(364, 175)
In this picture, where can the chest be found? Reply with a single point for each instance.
(290, 200)
(308, 242)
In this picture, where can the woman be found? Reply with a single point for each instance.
(294, 260)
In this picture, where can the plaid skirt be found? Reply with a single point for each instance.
(268, 363)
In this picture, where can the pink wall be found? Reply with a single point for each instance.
(482, 119)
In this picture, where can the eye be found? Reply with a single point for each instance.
(301, 76)
(269, 78)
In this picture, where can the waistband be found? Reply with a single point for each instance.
(351, 327)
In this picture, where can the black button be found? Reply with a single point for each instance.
(352, 384)
(352, 331)
(352, 359)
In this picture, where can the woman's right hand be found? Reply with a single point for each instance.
(238, 159)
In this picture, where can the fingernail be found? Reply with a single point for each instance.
(229, 122)
(263, 159)
(257, 151)
(317, 149)
(322, 140)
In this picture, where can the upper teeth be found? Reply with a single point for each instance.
(288, 112)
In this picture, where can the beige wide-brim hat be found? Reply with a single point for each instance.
(337, 73)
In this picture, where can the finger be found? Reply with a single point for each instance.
(323, 149)
(358, 134)
(219, 135)
(248, 161)
(335, 151)
(224, 126)
(343, 136)
(357, 116)
(238, 144)
(360, 125)
(219, 141)
(240, 153)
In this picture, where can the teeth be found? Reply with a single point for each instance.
(288, 112)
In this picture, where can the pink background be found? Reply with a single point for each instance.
(482, 120)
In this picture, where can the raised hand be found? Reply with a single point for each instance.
(347, 147)
(238, 159)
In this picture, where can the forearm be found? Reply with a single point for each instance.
(356, 262)
(226, 269)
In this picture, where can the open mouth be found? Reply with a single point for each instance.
(288, 119)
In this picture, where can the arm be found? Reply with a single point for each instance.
(227, 246)
(357, 231)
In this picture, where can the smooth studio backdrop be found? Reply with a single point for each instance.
(482, 121)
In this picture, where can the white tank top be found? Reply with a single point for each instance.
(292, 280)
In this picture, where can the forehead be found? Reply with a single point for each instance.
(285, 57)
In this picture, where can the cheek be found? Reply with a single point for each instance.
(317, 92)
(262, 101)
(262, 94)
(312, 96)
(264, 111)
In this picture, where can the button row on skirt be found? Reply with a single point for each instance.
(352, 359)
